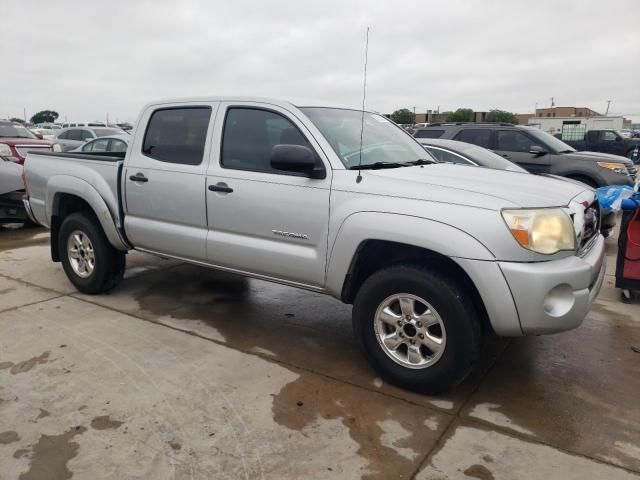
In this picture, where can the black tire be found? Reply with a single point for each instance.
(460, 318)
(109, 262)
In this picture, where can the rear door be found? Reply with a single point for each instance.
(264, 221)
(515, 145)
(164, 180)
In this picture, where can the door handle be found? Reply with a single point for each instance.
(220, 187)
(505, 155)
(138, 177)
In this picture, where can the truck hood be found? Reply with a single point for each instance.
(475, 186)
(597, 157)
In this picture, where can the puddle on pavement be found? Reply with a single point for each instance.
(390, 435)
(240, 313)
(576, 390)
(9, 437)
(51, 455)
(104, 422)
(18, 237)
(479, 471)
(26, 365)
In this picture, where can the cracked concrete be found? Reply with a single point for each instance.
(183, 372)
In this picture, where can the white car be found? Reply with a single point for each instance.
(112, 143)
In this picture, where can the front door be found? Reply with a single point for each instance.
(261, 220)
(164, 180)
(515, 145)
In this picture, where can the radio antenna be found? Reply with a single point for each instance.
(364, 96)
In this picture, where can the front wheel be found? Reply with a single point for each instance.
(89, 260)
(417, 328)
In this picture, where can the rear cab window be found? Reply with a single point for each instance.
(177, 135)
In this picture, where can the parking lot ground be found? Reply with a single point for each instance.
(187, 373)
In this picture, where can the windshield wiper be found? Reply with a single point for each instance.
(422, 161)
(378, 165)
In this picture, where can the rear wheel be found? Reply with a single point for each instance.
(417, 328)
(89, 260)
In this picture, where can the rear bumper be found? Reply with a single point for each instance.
(27, 207)
(555, 296)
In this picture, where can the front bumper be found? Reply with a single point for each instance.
(556, 295)
(11, 208)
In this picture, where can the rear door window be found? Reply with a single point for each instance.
(177, 135)
(477, 136)
(74, 134)
(86, 135)
(429, 133)
(513, 141)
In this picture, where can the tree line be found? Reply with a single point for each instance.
(404, 115)
(43, 116)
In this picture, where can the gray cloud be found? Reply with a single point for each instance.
(86, 58)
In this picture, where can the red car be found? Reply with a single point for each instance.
(16, 140)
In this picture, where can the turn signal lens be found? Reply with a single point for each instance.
(542, 230)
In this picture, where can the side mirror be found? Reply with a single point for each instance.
(537, 150)
(296, 158)
(38, 135)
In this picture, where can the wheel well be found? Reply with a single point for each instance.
(374, 255)
(584, 179)
(64, 204)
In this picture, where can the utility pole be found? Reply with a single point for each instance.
(414, 114)
(608, 104)
(553, 103)
(24, 114)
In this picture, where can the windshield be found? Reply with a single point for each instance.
(556, 145)
(486, 158)
(106, 132)
(382, 140)
(9, 130)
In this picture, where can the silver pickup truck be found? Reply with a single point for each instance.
(336, 201)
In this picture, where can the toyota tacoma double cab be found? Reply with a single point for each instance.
(336, 201)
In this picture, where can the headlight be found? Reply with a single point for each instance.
(616, 167)
(5, 150)
(542, 230)
(56, 147)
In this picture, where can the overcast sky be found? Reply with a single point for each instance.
(86, 58)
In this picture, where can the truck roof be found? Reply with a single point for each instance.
(298, 103)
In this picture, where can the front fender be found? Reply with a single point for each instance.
(75, 186)
(419, 232)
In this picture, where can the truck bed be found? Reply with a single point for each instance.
(51, 172)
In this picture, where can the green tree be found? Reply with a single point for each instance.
(404, 115)
(501, 116)
(461, 115)
(45, 116)
(16, 120)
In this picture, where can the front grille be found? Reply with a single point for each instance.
(23, 149)
(591, 225)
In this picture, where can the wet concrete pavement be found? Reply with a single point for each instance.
(184, 372)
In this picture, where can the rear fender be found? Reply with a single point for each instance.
(75, 186)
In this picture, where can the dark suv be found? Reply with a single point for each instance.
(538, 152)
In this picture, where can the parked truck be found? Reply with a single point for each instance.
(606, 141)
(431, 255)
